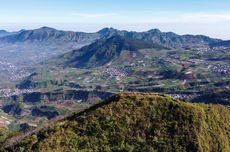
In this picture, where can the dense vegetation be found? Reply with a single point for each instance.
(6, 134)
(136, 122)
(102, 52)
(186, 67)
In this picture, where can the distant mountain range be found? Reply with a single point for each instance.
(40, 44)
(50, 34)
(167, 39)
(221, 44)
(34, 46)
(4, 33)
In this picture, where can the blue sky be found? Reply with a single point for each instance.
(209, 17)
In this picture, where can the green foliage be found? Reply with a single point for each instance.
(137, 122)
(103, 51)
(5, 134)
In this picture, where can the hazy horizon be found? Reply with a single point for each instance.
(211, 18)
(90, 28)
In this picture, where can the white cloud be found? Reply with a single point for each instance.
(176, 17)
(214, 24)
(217, 16)
(206, 17)
(93, 15)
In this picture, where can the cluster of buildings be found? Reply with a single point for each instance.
(13, 92)
(182, 96)
(113, 73)
(14, 72)
(219, 48)
(7, 66)
(219, 68)
(18, 75)
(117, 72)
(177, 60)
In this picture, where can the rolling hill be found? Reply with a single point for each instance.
(134, 122)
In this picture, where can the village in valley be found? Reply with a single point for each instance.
(182, 74)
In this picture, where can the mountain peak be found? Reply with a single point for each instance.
(3, 31)
(107, 29)
(46, 28)
(130, 44)
(154, 31)
(108, 32)
(104, 51)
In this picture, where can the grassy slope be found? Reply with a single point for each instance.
(137, 122)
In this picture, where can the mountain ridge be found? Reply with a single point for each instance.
(135, 122)
(167, 39)
(103, 51)
(44, 43)
(4, 33)
(45, 33)
(163, 38)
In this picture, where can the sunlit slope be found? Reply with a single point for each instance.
(137, 122)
